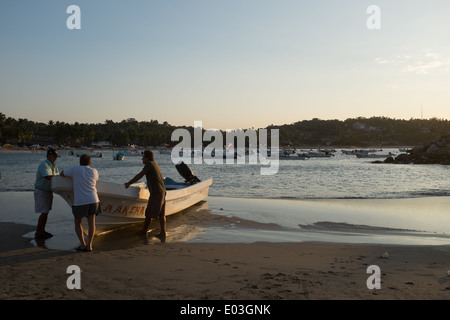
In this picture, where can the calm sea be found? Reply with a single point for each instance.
(337, 199)
(339, 177)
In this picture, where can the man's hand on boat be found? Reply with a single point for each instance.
(135, 179)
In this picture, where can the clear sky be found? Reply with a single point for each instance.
(228, 63)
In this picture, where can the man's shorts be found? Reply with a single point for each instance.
(42, 201)
(156, 207)
(86, 210)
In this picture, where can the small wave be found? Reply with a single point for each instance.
(431, 193)
(353, 229)
(347, 227)
(380, 197)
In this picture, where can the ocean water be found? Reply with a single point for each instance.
(338, 177)
(338, 199)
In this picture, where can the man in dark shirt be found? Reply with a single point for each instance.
(156, 207)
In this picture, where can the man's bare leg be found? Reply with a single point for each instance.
(79, 232)
(91, 223)
(144, 230)
(40, 229)
(162, 234)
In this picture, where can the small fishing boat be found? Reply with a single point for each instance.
(317, 154)
(91, 154)
(373, 155)
(119, 156)
(295, 156)
(123, 206)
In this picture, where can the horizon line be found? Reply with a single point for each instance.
(270, 125)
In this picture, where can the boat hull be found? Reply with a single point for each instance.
(371, 156)
(123, 206)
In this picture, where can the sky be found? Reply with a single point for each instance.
(228, 63)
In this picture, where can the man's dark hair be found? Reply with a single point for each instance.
(85, 160)
(149, 155)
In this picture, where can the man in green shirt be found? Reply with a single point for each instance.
(156, 207)
(43, 196)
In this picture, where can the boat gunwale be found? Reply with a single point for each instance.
(141, 195)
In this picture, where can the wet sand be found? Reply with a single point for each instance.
(205, 271)
(126, 267)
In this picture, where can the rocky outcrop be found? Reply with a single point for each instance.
(435, 152)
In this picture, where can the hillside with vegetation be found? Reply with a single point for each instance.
(362, 132)
(357, 132)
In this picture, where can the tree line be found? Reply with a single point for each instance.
(130, 131)
(374, 131)
(363, 132)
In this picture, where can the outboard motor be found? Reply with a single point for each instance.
(186, 173)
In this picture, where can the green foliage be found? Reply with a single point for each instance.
(375, 131)
(362, 132)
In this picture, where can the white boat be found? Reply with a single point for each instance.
(127, 153)
(295, 156)
(317, 155)
(373, 155)
(79, 154)
(91, 154)
(285, 152)
(359, 151)
(123, 206)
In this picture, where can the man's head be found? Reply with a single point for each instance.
(85, 160)
(147, 155)
(52, 155)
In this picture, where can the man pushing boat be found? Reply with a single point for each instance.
(156, 207)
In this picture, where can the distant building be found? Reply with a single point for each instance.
(363, 126)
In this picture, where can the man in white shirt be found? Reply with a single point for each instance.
(86, 202)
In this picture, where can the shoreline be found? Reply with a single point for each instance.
(245, 220)
(13, 149)
(210, 267)
(239, 271)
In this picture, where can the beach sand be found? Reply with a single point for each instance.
(205, 271)
(126, 267)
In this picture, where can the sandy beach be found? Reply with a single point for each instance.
(205, 271)
(127, 267)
